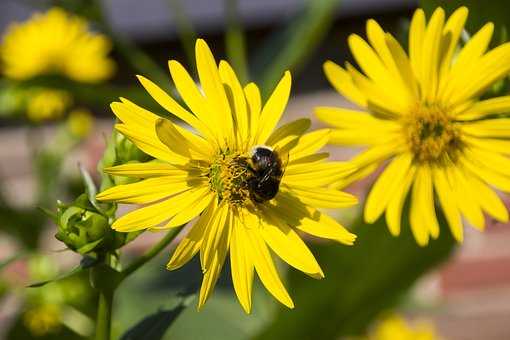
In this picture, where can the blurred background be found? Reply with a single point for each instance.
(463, 292)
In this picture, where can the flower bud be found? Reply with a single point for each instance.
(80, 227)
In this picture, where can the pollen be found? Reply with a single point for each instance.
(228, 177)
(432, 135)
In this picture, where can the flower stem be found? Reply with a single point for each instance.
(104, 315)
(169, 237)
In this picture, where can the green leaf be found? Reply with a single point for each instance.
(85, 263)
(154, 326)
(361, 281)
(90, 187)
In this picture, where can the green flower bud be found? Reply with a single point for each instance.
(81, 228)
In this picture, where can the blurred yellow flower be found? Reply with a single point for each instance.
(250, 186)
(42, 319)
(80, 122)
(47, 104)
(424, 114)
(395, 327)
(55, 42)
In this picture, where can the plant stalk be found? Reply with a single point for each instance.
(104, 315)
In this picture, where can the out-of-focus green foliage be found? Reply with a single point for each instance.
(361, 281)
(289, 48)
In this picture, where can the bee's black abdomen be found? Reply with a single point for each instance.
(266, 174)
(263, 190)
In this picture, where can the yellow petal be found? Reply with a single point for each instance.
(422, 214)
(214, 269)
(385, 186)
(450, 40)
(431, 53)
(237, 100)
(342, 82)
(286, 243)
(194, 209)
(214, 90)
(265, 268)
(488, 199)
(149, 143)
(323, 197)
(416, 36)
(169, 104)
(190, 244)
(310, 220)
(154, 214)
(294, 129)
(492, 67)
(394, 210)
(320, 174)
(309, 144)
(146, 191)
(192, 96)
(487, 107)
(464, 66)
(495, 128)
(252, 94)
(466, 199)
(131, 114)
(403, 65)
(448, 203)
(273, 109)
(213, 234)
(241, 265)
(487, 174)
(380, 97)
(150, 169)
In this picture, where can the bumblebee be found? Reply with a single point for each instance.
(266, 173)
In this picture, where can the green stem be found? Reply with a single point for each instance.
(235, 41)
(151, 253)
(185, 30)
(104, 315)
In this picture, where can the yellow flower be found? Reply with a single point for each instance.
(42, 319)
(55, 42)
(80, 122)
(210, 173)
(395, 327)
(423, 114)
(47, 104)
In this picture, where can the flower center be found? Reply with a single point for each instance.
(228, 177)
(432, 136)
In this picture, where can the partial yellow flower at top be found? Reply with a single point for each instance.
(423, 114)
(47, 104)
(55, 42)
(250, 185)
(395, 327)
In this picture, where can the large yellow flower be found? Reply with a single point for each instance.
(210, 173)
(55, 42)
(423, 113)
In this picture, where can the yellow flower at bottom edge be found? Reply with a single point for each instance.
(251, 186)
(55, 42)
(395, 327)
(42, 319)
(47, 104)
(423, 113)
